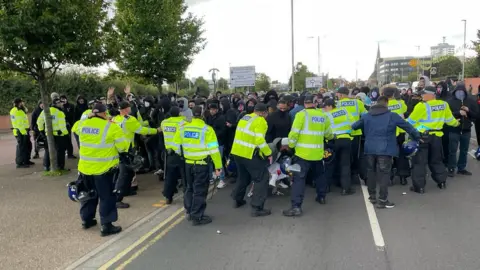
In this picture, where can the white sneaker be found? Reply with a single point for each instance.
(221, 184)
(159, 172)
(282, 185)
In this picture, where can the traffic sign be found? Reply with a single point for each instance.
(433, 71)
(413, 63)
(313, 82)
(242, 76)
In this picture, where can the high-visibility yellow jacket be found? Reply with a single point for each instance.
(249, 135)
(170, 126)
(101, 141)
(196, 141)
(58, 122)
(19, 121)
(341, 123)
(431, 115)
(309, 129)
(399, 107)
(130, 125)
(355, 107)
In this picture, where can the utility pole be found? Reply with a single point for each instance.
(293, 48)
(214, 79)
(356, 73)
(464, 47)
(418, 63)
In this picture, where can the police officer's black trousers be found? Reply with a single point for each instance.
(175, 167)
(340, 165)
(298, 185)
(151, 146)
(430, 152)
(252, 170)
(60, 149)
(378, 170)
(123, 181)
(24, 148)
(103, 185)
(355, 159)
(401, 162)
(68, 141)
(197, 182)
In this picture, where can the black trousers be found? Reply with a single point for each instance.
(340, 165)
(477, 131)
(152, 152)
(36, 135)
(401, 162)
(175, 167)
(196, 191)
(355, 159)
(59, 148)
(378, 170)
(298, 185)
(446, 144)
(430, 152)
(252, 170)
(68, 142)
(123, 181)
(104, 186)
(24, 148)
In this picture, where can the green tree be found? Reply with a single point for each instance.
(472, 68)
(301, 73)
(222, 84)
(156, 40)
(185, 84)
(201, 87)
(412, 76)
(476, 45)
(37, 37)
(262, 82)
(450, 66)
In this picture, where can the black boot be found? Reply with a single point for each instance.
(292, 212)
(321, 200)
(122, 205)
(442, 185)
(201, 221)
(109, 229)
(260, 212)
(417, 190)
(238, 204)
(168, 201)
(403, 180)
(346, 192)
(89, 223)
(36, 156)
(372, 199)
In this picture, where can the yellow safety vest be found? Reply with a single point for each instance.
(59, 124)
(431, 115)
(341, 123)
(130, 125)
(398, 107)
(169, 127)
(101, 141)
(250, 134)
(355, 107)
(196, 141)
(19, 121)
(309, 129)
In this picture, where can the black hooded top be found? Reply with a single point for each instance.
(270, 93)
(442, 94)
(80, 108)
(455, 106)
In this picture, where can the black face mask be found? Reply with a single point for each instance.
(250, 109)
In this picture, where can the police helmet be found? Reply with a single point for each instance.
(410, 148)
(78, 192)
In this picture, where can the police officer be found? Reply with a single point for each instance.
(399, 107)
(175, 166)
(88, 113)
(356, 108)
(252, 157)
(130, 126)
(59, 126)
(309, 129)
(197, 143)
(341, 124)
(20, 127)
(102, 144)
(428, 118)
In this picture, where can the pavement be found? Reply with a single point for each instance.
(41, 227)
(436, 230)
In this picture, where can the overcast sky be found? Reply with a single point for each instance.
(257, 32)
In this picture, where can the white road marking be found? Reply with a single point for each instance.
(374, 225)
(472, 153)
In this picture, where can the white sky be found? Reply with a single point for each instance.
(257, 32)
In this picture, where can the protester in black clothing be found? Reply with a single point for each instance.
(272, 106)
(465, 109)
(81, 107)
(34, 126)
(231, 114)
(69, 111)
(279, 123)
(248, 109)
(272, 94)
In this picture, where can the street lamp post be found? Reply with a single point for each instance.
(214, 79)
(293, 48)
(464, 47)
(318, 54)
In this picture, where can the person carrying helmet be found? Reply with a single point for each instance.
(252, 156)
(59, 126)
(399, 107)
(380, 127)
(20, 127)
(341, 124)
(103, 144)
(174, 165)
(309, 130)
(130, 126)
(197, 143)
(356, 108)
(428, 117)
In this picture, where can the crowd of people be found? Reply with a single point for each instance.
(338, 138)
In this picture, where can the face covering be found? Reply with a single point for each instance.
(250, 109)
(460, 95)
(147, 104)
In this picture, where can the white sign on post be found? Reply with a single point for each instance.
(313, 82)
(242, 76)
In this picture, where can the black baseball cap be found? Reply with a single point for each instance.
(99, 108)
(429, 90)
(329, 102)
(343, 90)
(197, 111)
(308, 99)
(124, 105)
(260, 107)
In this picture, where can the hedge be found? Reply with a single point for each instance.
(70, 84)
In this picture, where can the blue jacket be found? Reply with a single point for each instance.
(379, 128)
(295, 110)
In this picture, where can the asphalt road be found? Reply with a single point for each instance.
(437, 230)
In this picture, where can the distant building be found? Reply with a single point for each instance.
(442, 49)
